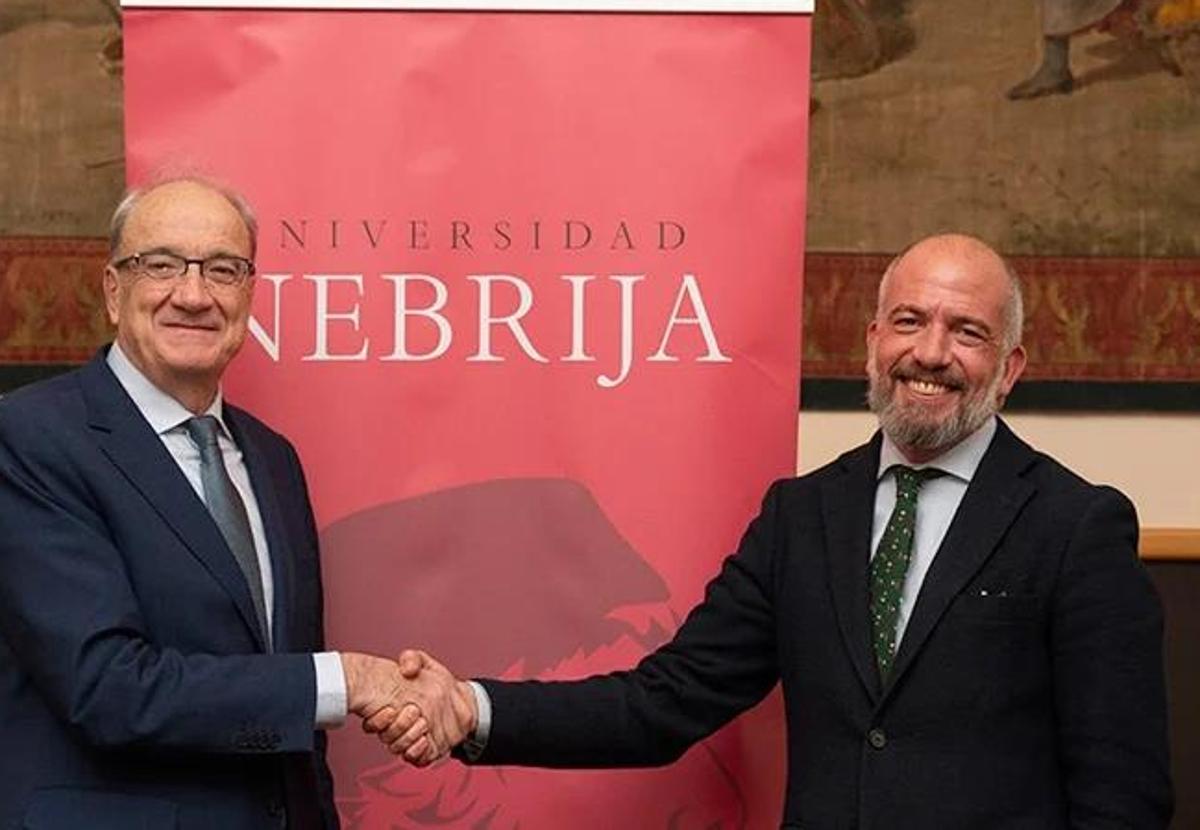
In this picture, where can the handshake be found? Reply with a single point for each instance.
(415, 705)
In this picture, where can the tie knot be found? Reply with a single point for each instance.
(909, 481)
(203, 430)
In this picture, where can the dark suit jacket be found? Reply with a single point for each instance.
(1027, 691)
(134, 687)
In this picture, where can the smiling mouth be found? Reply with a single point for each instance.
(926, 388)
(191, 326)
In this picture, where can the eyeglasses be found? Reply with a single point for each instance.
(162, 265)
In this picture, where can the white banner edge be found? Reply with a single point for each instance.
(615, 6)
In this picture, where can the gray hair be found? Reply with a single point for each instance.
(1014, 305)
(116, 225)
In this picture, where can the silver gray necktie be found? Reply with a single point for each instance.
(228, 511)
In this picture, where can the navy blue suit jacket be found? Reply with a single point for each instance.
(1027, 691)
(135, 690)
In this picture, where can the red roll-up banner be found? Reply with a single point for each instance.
(529, 306)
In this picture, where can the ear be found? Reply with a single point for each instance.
(872, 335)
(112, 294)
(1014, 365)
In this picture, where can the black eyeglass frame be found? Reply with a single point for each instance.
(134, 262)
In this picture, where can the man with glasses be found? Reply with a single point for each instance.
(161, 654)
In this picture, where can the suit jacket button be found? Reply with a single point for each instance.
(877, 738)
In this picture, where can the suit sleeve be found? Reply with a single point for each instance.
(722, 660)
(70, 616)
(1108, 676)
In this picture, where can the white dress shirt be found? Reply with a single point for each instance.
(167, 417)
(937, 503)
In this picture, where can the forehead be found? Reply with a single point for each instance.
(187, 217)
(949, 279)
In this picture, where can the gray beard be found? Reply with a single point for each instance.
(908, 429)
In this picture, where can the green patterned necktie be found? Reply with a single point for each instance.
(889, 566)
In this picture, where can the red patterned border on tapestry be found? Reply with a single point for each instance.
(1100, 319)
(1096, 319)
(51, 304)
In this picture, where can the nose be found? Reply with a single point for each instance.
(932, 347)
(190, 289)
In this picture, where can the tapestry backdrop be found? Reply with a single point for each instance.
(528, 304)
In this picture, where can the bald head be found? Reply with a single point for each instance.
(943, 351)
(169, 187)
(181, 326)
(973, 254)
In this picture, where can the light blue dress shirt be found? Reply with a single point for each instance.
(937, 503)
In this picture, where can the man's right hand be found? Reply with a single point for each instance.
(376, 687)
(372, 683)
(443, 716)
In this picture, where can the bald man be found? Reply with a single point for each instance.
(161, 654)
(962, 628)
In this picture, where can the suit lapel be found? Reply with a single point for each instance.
(847, 504)
(134, 448)
(265, 491)
(992, 501)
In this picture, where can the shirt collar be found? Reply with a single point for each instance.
(162, 411)
(960, 461)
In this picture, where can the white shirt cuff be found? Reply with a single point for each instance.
(331, 690)
(476, 742)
